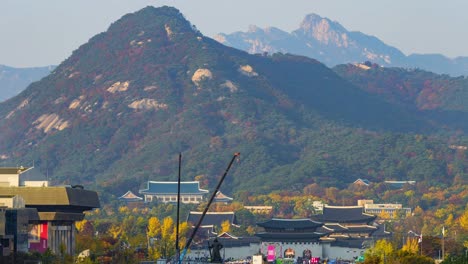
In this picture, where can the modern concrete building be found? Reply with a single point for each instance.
(259, 209)
(46, 213)
(58, 209)
(22, 176)
(14, 229)
(377, 209)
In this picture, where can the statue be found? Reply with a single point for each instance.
(216, 251)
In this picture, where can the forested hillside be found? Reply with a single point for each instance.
(120, 109)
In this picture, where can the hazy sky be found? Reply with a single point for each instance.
(45, 32)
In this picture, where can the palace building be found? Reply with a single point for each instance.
(166, 192)
(340, 232)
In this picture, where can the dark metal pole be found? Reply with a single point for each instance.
(178, 209)
(189, 241)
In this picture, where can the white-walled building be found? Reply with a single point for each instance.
(22, 176)
(166, 192)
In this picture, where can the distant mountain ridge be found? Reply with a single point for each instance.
(330, 43)
(14, 80)
(413, 89)
(120, 109)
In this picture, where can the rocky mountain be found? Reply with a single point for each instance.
(15, 80)
(121, 108)
(331, 43)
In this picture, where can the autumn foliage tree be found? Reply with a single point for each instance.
(162, 237)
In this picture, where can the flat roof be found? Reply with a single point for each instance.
(12, 170)
(54, 196)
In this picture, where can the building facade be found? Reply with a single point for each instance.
(47, 214)
(58, 209)
(166, 192)
(378, 209)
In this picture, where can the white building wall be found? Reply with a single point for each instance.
(35, 183)
(9, 180)
(321, 250)
(7, 201)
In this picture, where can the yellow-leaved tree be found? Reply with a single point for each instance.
(183, 230)
(383, 250)
(384, 215)
(167, 229)
(463, 221)
(162, 237)
(411, 245)
(152, 233)
(115, 230)
(225, 226)
(80, 225)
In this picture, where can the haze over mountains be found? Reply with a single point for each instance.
(15, 80)
(317, 37)
(118, 111)
(329, 42)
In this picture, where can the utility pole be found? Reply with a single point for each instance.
(443, 242)
(421, 243)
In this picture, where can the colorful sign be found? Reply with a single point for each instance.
(37, 237)
(315, 260)
(271, 253)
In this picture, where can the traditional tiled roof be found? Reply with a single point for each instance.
(206, 231)
(362, 181)
(325, 230)
(337, 228)
(361, 229)
(212, 218)
(381, 232)
(289, 237)
(227, 235)
(221, 197)
(157, 187)
(358, 243)
(238, 242)
(130, 197)
(344, 214)
(290, 224)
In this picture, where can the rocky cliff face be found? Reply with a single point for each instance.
(329, 42)
(323, 31)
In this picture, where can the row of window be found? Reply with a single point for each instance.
(173, 199)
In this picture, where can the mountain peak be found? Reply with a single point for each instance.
(152, 17)
(316, 23)
(253, 29)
